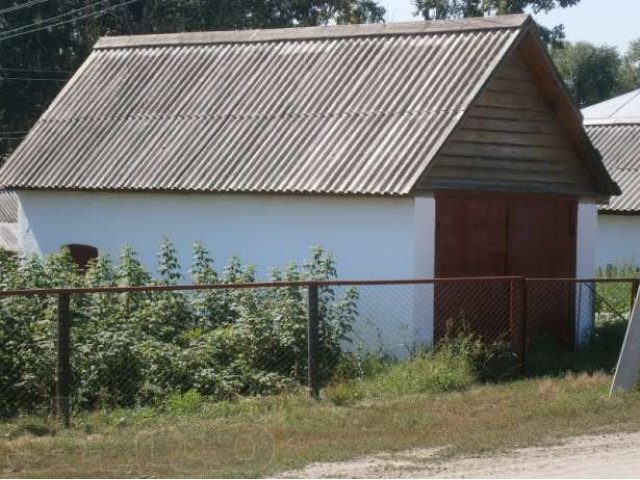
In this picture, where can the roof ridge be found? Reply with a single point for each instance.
(591, 122)
(315, 33)
(633, 95)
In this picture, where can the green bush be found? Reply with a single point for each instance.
(142, 348)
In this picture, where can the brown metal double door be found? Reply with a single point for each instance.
(489, 235)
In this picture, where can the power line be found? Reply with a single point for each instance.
(54, 18)
(10, 33)
(36, 70)
(33, 79)
(21, 6)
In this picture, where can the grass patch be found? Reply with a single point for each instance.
(263, 436)
(426, 372)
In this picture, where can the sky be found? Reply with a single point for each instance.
(602, 22)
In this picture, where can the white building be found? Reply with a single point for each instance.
(423, 149)
(614, 128)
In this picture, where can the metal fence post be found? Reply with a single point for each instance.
(313, 325)
(63, 366)
(634, 292)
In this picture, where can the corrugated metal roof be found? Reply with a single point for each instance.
(8, 220)
(9, 236)
(619, 144)
(345, 110)
(622, 108)
(8, 206)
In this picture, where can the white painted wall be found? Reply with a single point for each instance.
(370, 237)
(425, 255)
(586, 235)
(618, 239)
(379, 238)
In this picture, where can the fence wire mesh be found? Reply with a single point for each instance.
(140, 348)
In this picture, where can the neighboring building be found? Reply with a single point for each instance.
(614, 128)
(8, 221)
(423, 149)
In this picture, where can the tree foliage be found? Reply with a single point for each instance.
(596, 73)
(440, 9)
(629, 76)
(51, 54)
(589, 72)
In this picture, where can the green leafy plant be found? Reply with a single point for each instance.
(142, 348)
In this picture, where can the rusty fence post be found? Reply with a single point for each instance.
(63, 365)
(313, 327)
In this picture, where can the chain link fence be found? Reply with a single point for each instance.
(66, 350)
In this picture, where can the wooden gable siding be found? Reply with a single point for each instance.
(510, 139)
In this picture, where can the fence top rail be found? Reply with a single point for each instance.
(584, 280)
(250, 285)
(296, 284)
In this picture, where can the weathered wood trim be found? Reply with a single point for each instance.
(508, 187)
(509, 138)
(502, 163)
(522, 114)
(506, 151)
(503, 125)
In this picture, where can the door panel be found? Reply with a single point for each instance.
(481, 235)
(471, 241)
(541, 238)
(542, 244)
(471, 238)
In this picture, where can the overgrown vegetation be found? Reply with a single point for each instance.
(255, 437)
(458, 362)
(174, 351)
(137, 349)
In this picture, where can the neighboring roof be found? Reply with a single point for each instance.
(360, 109)
(619, 109)
(614, 128)
(8, 220)
(619, 144)
(8, 206)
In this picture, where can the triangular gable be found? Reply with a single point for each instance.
(520, 134)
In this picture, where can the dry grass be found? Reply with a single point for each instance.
(264, 436)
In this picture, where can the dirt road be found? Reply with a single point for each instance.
(603, 456)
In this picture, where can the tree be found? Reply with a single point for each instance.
(440, 9)
(35, 61)
(629, 77)
(590, 73)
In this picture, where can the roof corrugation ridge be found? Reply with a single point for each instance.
(8, 206)
(314, 33)
(620, 147)
(430, 78)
